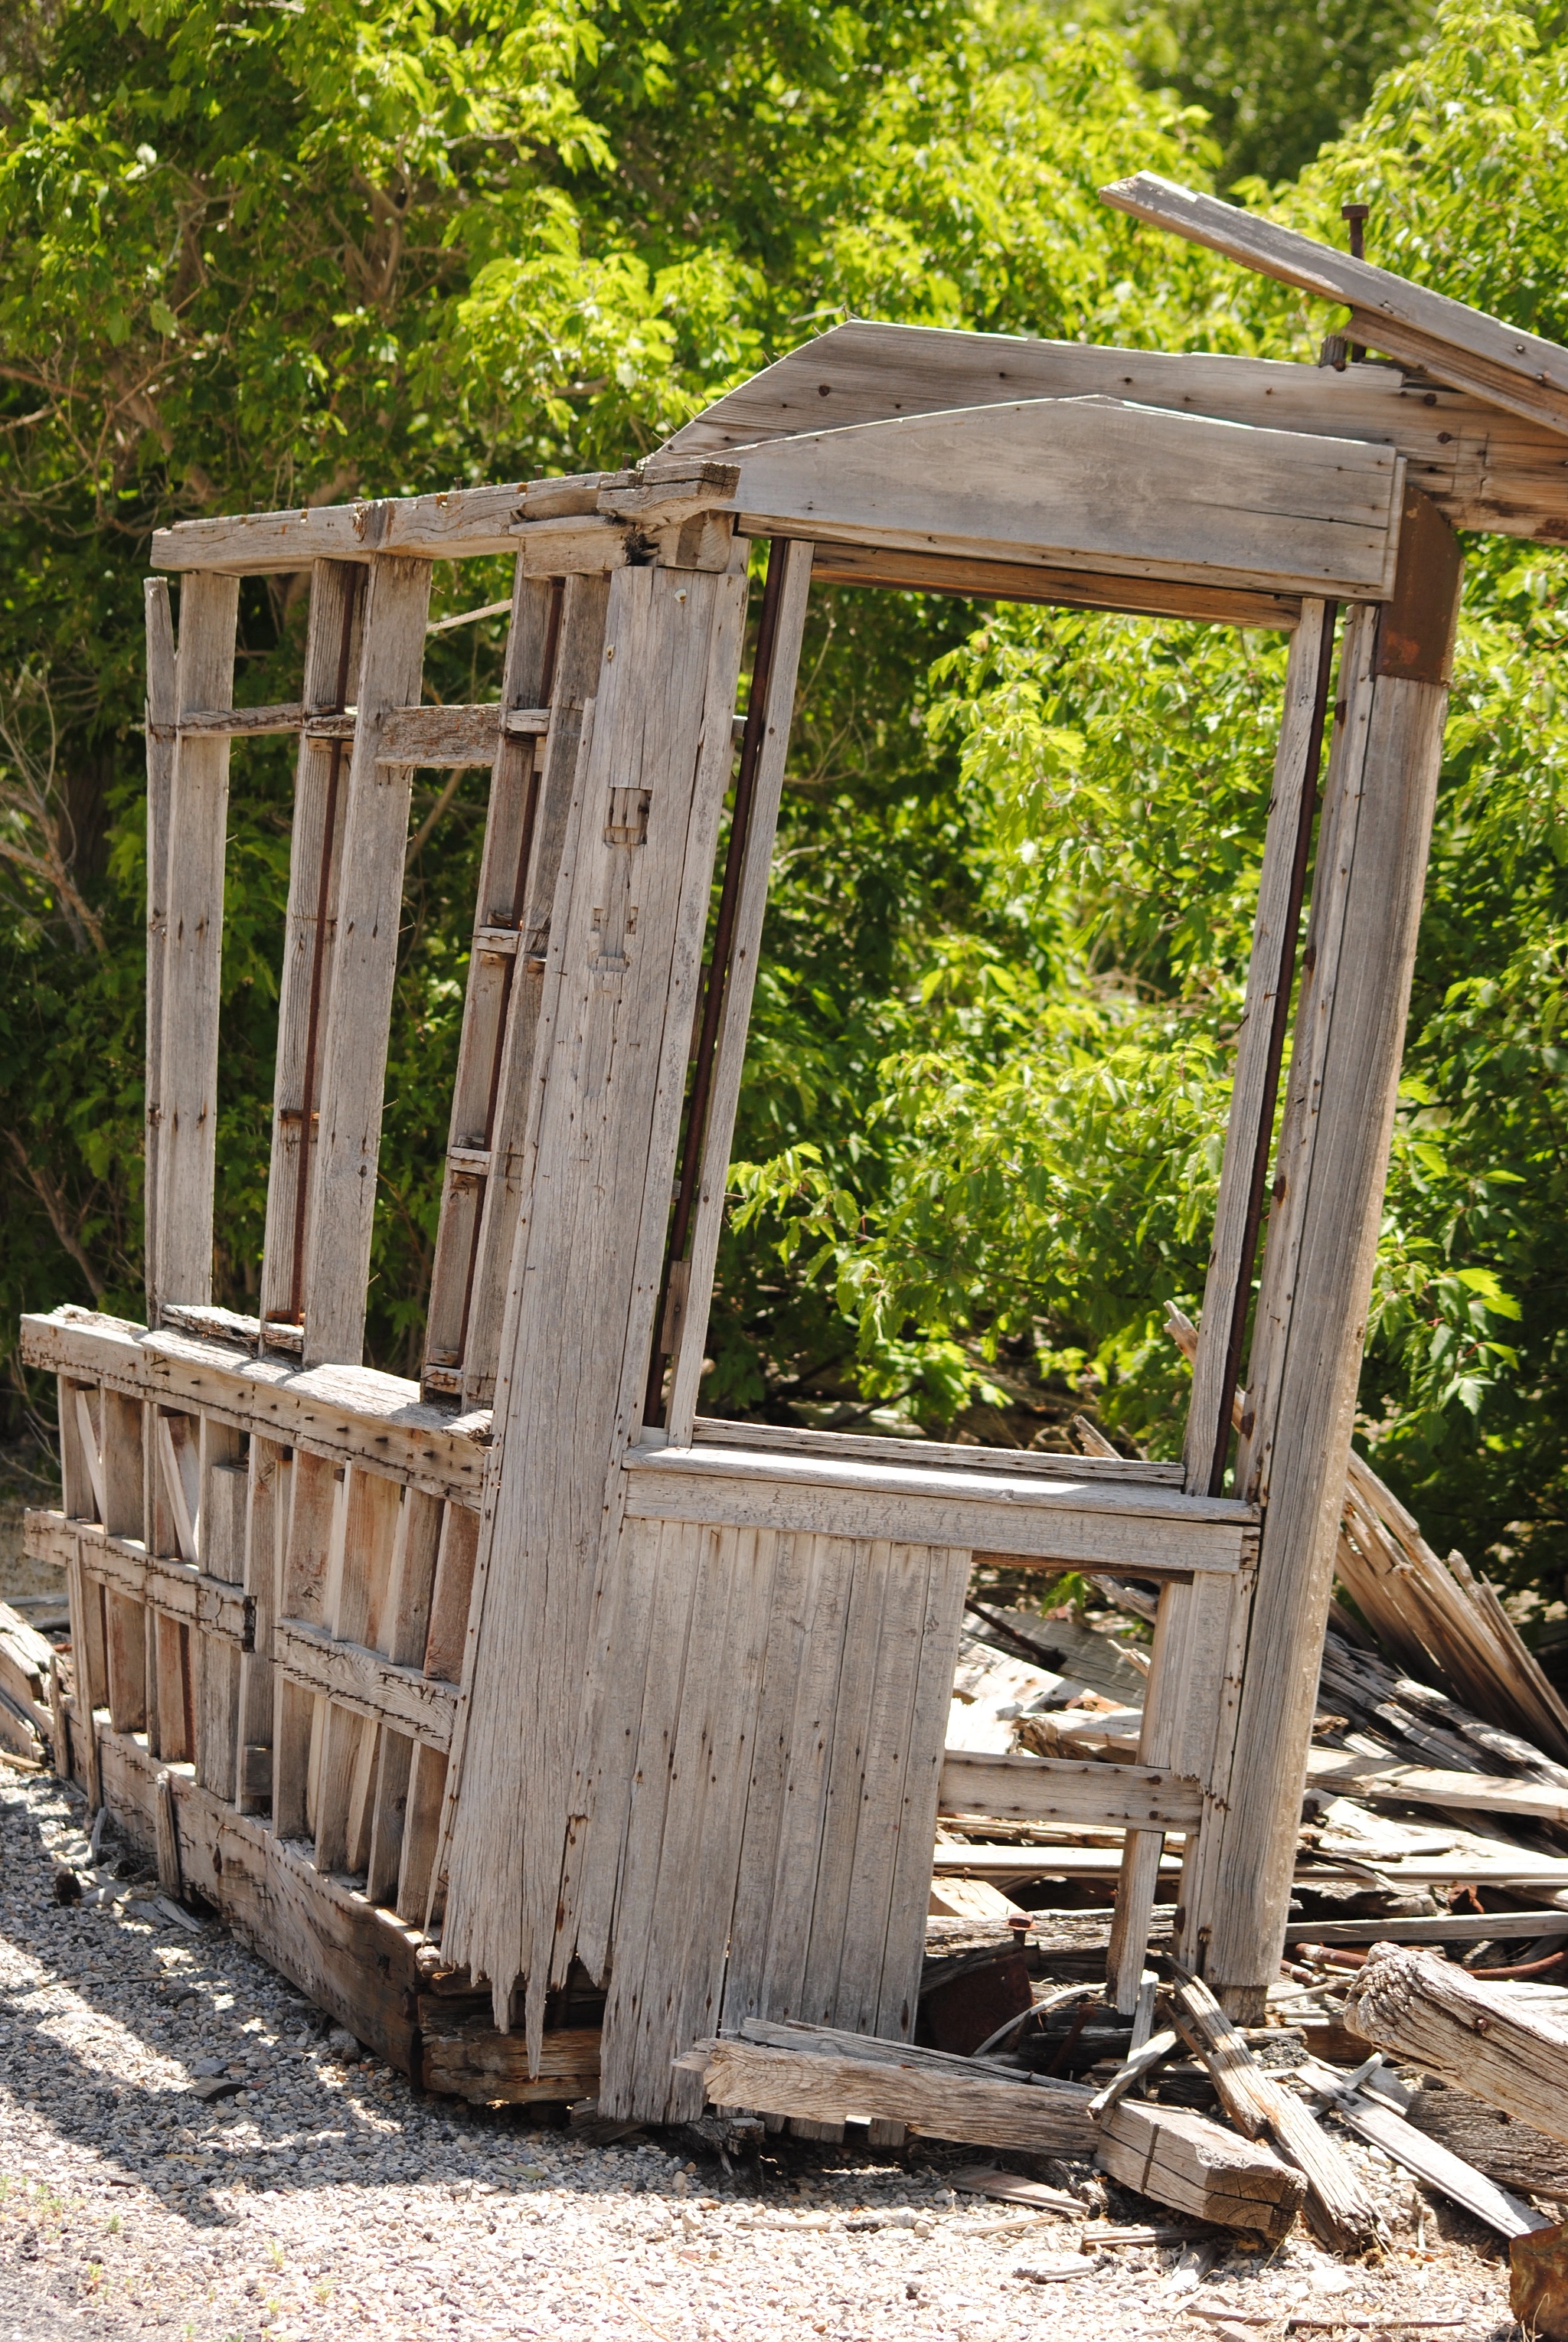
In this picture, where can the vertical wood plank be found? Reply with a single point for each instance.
(162, 710)
(452, 1598)
(1270, 973)
(125, 1645)
(707, 1224)
(384, 1860)
(198, 824)
(575, 678)
(265, 1517)
(623, 960)
(421, 1824)
(315, 870)
(364, 965)
(909, 1891)
(1317, 1269)
(415, 1548)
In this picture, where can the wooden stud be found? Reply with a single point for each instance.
(772, 752)
(315, 871)
(162, 710)
(365, 964)
(1271, 971)
(1317, 1268)
(197, 828)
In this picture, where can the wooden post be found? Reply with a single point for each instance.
(315, 871)
(615, 1029)
(364, 965)
(188, 1079)
(1317, 1269)
(1271, 971)
(162, 712)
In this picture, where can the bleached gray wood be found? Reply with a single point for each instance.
(413, 1560)
(1483, 467)
(1317, 1266)
(452, 738)
(359, 1566)
(347, 1414)
(621, 981)
(1097, 481)
(666, 1982)
(1423, 2009)
(162, 709)
(959, 2105)
(266, 1520)
(395, 1758)
(776, 1895)
(1013, 1463)
(239, 723)
(1273, 950)
(1058, 1789)
(365, 964)
(1099, 1524)
(909, 1884)
(530, 904)
(456, 525)
(496, 984)
(316, 856)
(871, 1594)
(686, 1366)
(417, 1880)
(83, 1403)
(193, 952)
(1495, 361)
(365, 1683)
(451, 1601)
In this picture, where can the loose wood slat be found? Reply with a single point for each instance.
(1061, 1789)
(162, 708)
(188, 1052)
(364, 956)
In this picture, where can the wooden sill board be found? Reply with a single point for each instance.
(1158, 1532)
(352, 1415)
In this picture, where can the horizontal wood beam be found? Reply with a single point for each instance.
(1065, 1789)
(1153, 1532)
(352, 1415)
(1062, 589)
(1480, 353)
(1336, 1772)
(877, 1447)
(366, 1681)
(957, 2106)
(176, 1588)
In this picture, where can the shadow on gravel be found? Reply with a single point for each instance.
(167, 1989)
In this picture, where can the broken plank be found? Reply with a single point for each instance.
(1196, 2168)
(1428, 2011)
(1371, 2118)
(981, 2112)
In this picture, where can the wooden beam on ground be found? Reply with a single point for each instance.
(1427, 2011)
(1338, 2205)
(1198, 2168)
(1094, 483)
(1328, 1185)
(930, 2101)
(1480, 354)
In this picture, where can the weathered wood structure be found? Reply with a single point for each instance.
(525, 1681)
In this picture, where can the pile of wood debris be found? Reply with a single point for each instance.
(1423, 2001)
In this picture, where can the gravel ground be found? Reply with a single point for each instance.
(327, 2197)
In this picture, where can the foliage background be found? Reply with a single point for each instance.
(252, 254)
